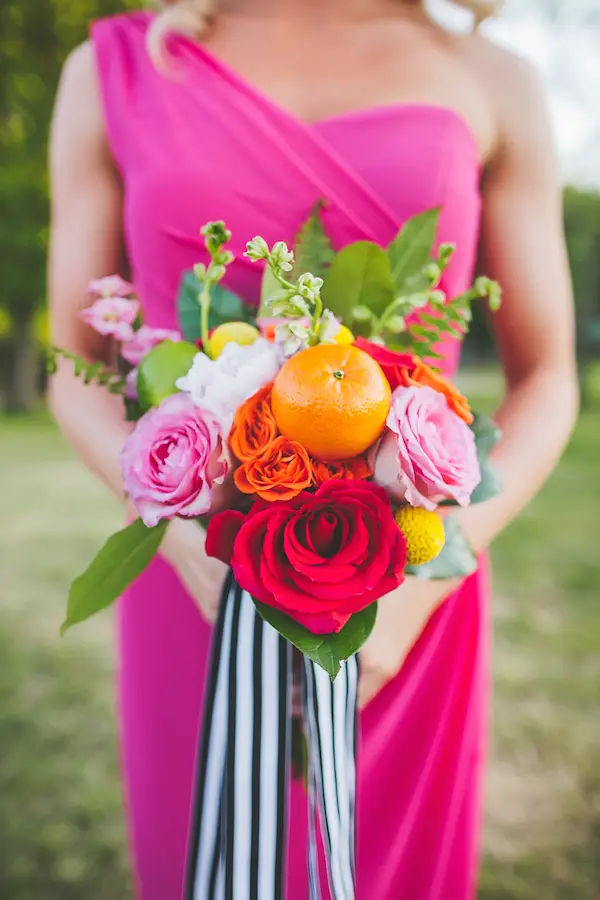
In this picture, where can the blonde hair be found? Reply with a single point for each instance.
(193, 16)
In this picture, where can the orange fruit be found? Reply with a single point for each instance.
(332, 399)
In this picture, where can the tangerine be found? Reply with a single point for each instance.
(332, 399)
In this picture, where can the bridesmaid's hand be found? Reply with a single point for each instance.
(401, 617)
(202, 576)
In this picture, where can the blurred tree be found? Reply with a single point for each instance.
(34, 40)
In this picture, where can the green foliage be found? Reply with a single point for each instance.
(92, 373)
(312, 248)
(326, 650)
(360, 276)
(124, 556)
(225, 306)
(456, 560)
(35, 38)
(160, 369)
(487, 435)
(411, 251)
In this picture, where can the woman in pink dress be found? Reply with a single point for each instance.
(268, 106)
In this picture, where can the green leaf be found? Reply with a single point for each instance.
(303, 639)
(225, 306)
(355, 633)
(412, 249)
(133, 411)
(490, 484)
(160, 369)
(359, 276)
(456, 560)
(487, 435)
(123, 557)
(326, 650)
(437, 322)
(312, 249)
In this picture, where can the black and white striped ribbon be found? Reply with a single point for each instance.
(238, 838)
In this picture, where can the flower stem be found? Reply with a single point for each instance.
(204, 312)
(277, 273)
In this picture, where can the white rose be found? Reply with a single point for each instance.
(221, 386)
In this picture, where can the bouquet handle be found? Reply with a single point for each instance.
(238, 837)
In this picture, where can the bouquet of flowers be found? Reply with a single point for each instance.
(325, 409)
(343, 450)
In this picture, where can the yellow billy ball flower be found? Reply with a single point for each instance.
(424, 533)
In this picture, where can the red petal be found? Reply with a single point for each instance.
(221, 534)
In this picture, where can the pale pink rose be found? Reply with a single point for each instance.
(143, 340)
(112, 317)
(428, 453)
(111, 286)
(172, 459)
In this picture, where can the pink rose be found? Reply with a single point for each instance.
(143, 340)
(172, 460)
(111, 286)
(112, 317)
(429, 453)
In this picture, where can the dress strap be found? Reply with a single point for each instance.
(125, 71)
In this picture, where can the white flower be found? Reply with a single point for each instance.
(282, 257)
(292, 336)
(257, 249)
(221, 386)
(309, 286)
(329, 328)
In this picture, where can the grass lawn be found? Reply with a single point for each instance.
(61, 836)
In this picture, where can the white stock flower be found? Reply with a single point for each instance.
(329, 328)
(309, 286)
(221, 386)
(282, 257)
(257, 249)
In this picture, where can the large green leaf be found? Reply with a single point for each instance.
(359, 276)
(225, 306)
(123, 557)
(312, 248)
(160, 369)
(456, 560)
(412, 249)
(326, 650)
(487, 435)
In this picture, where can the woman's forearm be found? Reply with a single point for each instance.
(536, 419)
(92, 421)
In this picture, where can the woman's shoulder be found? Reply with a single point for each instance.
(101, 76)
(512, 83)
(509, 85)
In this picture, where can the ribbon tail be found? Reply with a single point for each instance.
(332, 726)
(238, 838)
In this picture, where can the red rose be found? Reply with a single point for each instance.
(397, 367)
(319, 557)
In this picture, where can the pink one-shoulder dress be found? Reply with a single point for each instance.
(201, 145)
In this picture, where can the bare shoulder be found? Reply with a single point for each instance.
(79, 90)
(78, 114)
(513, 90)
(79, 75)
